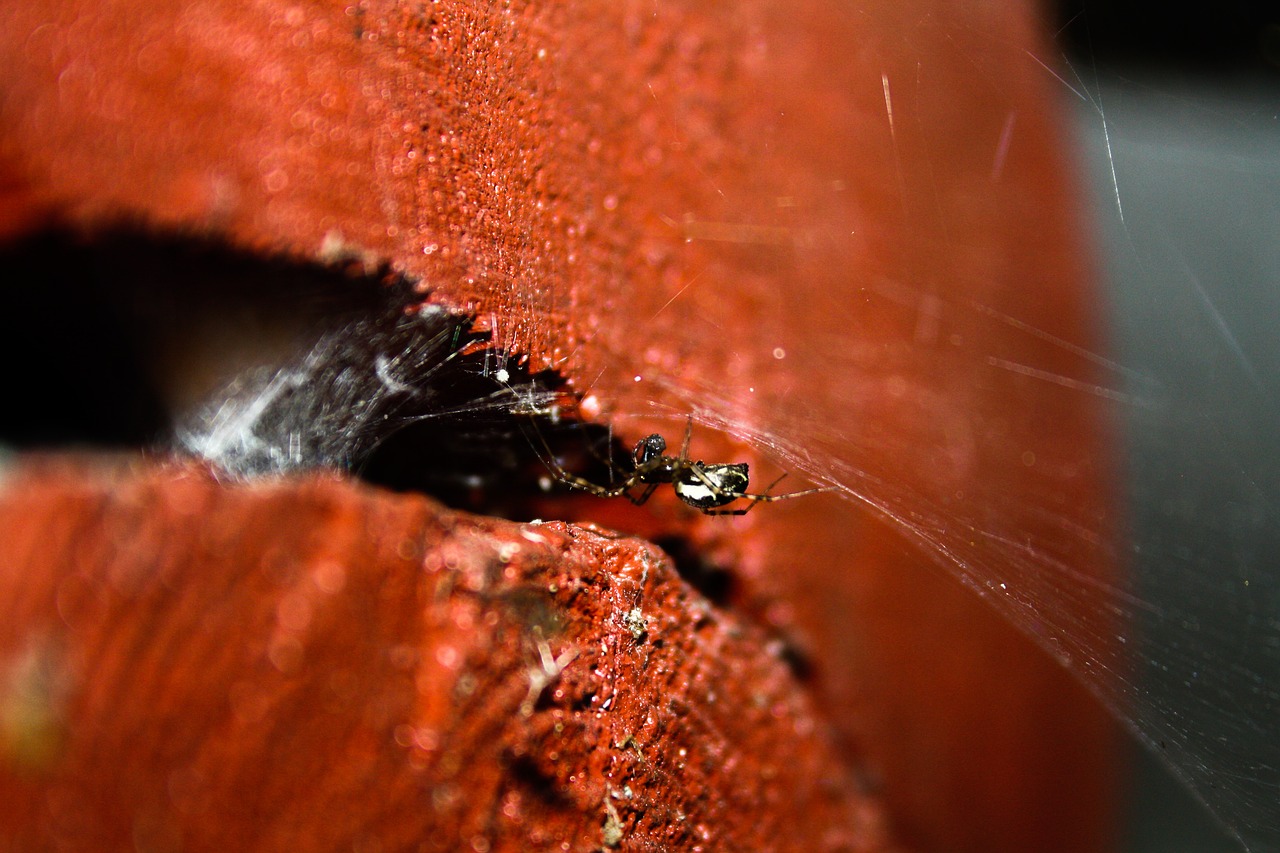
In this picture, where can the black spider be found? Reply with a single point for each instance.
(705, 487)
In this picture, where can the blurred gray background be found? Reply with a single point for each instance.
(1177, 125)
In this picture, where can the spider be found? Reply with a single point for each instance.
(705, 487)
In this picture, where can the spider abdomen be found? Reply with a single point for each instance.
(709, 486)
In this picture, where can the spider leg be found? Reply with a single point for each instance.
(743, 511)
(575, 482)
(608, 460)
(765, 497)
(688, 435)
(645, 495)
(768, 497)
(814, 491)
(769, 489)
(572, 480)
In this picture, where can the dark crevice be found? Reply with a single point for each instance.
(722, 586)
(106, 335)
(535, 781)
(715, 582)
(129, 339)
(122, 338)
(77, 372)
(483, 457)
(799, 660)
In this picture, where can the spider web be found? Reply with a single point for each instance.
(1191, 660)
(1188, 652)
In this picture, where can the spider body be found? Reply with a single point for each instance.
(705, 487)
